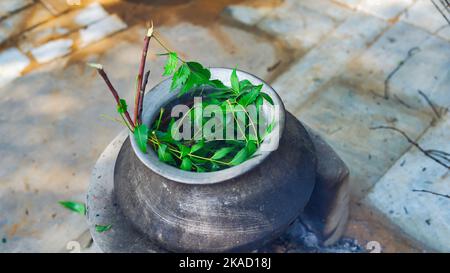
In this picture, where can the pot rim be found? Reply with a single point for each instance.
(160, 95)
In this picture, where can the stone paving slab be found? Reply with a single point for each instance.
(9, 6)
(52, 50)
(328, 8)
(12, 63)
(296, 24)
(423, 216)
(56, 7)
(343, 114)
(23, 20)
(352, 4)
(400, 52)
(430, 67)
(61, 26)
(385, 9)
(101, 29)
(424, 14)
(235, 47)
(246, 15)
(327, 60)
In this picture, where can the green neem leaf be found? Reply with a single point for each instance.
(259, 101)
(212, 101)
(197, 77)
(251, 147)
(100, 228)
(170, 129)
(141, 137)
(221, 153)
(235, 82)
(163, 136)
(158, 121)
(269, 128)
(180, 77)
(184, 150)
(240, 157)
(199, 74)
(164, 154)
(186, 164)
(198, 160)
(74, 206)
(197, 146)
(219, 94)
(267, 97)
(250, 97)
(217, 84)
(215, 167)
(171, 63)
(122, 107)
(244, 84)
(200, 169)
(188, 85)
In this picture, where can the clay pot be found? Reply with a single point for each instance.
(232, 210)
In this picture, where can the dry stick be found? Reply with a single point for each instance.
(112, 89)
(402, 102)
(443, 155)
(427, 153)
(138, 99)
(411, 53)
(166, 48)
(440, 11)
(141, 95)
(432, 192)
(430, 103)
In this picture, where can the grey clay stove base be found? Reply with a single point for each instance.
(324, 218)
(102, 209)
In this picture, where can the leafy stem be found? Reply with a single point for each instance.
(165, 48)
(235, 119)
(113, 91)
(157, 142)
(192, 77)
(251, 122)
(126, 123)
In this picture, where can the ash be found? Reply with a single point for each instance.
(298, 239)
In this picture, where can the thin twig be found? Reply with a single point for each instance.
(432, 192)
(430, 103)
(235, 119)
(429, 153)
(103, 74)
(138, 99)
(251, 123)
(274, 66)
(144, 85)
(142, 94)
(440, 11)
(166, 48)
(402, 102)
(411, 53)
(439, 152)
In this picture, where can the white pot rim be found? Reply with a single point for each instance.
(160, 95)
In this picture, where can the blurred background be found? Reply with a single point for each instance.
(341, 66)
